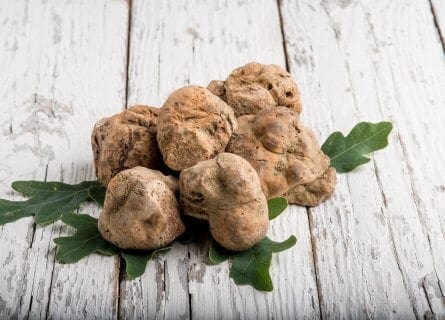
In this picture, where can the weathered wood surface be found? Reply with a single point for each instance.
(63, 66)
(379, 244)
(376, 250)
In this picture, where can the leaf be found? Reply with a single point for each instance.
(136, 260)
(347, 153)
(97, 193)
(49, 200)
(85, 241)
(217, 254)
(30, 187)
(276, 206)
(251, 266)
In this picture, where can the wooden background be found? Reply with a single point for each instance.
(375, 250)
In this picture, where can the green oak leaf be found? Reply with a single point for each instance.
(136, 260)
(29, 188)
(49, 200)
(218, 254)
(97, 193)
(347, 153)
(85, 241)
(88, 240)
(251, 266)
(276, 206)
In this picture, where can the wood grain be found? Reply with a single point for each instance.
(63, 67)
(379, 243)
(178, 43)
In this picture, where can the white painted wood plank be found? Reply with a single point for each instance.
(438, 9)
(380, 241)
(177, 43)
(63, 67)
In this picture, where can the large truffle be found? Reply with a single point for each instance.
(282, 151)
(313, 193)
(124, 141)
(256, 86)
(226, 191)
(194, 125)
(141, 210)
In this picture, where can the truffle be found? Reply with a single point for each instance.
(255, 86)
(141, 210)
(282, 151)
(313, 193)
(226, 191)
(194, 125)
(124, 141)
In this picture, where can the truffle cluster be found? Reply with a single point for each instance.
(228, 148)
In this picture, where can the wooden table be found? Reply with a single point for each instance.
(375, 250)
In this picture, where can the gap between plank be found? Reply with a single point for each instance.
(53, 263)
(314, 259)
(188, 281)
(393, 244)
(119, 271)
(283, 36)
(30, 248)
(128, 52)
(418, 209)
(119, 275)
(436, 25)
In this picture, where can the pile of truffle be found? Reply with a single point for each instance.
(228, 148)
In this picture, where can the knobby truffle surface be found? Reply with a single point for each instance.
(283, 152)
(141, 210)
(194, 125)
(226, 191)
(313, 193)
(217, 87)
(255, 86)
(124, 141)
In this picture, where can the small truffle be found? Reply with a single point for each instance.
(226, 191)
(141, 210)
(256, 86)
(194, 125)
(124, 141)
(313, 193)
(282, 151)
(217, 88)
